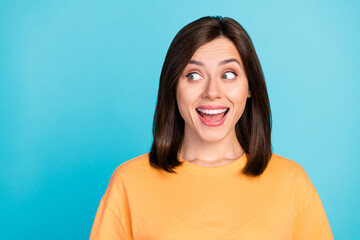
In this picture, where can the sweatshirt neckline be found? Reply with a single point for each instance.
(234, 165)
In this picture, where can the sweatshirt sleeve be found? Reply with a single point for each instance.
(106, 224)
(113, 220)
(310, 221)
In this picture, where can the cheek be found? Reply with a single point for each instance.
(238, 97)
(183, 99)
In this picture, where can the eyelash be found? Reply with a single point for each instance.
(232, 73)
(187, 76)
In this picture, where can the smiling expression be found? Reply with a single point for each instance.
(212, 90)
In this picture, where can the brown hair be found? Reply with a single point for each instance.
(253, 130)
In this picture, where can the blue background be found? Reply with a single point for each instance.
(78, 87)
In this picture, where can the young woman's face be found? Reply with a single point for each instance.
(212, 91)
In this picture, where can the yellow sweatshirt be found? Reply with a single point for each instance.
(210, 203)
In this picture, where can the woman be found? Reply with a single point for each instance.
(211, 173)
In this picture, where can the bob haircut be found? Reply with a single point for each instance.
(253, 130)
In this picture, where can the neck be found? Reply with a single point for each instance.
(195, 149)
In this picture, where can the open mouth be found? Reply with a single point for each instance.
(212, 115)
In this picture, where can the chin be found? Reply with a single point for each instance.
(212, 137)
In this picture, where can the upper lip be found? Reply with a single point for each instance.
(211, 107)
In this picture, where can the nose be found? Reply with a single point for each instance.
(212, 89)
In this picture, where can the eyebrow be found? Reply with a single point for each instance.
(223, 62)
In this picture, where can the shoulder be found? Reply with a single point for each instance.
(282, 165)
(284, 170)
(134, 163)
(132, 166)
(137, 171)
(126, 174)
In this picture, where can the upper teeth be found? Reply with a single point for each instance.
(212, 111)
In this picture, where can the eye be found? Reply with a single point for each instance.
(229, 75)
(193, 76)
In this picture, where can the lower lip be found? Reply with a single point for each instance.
(213, 124)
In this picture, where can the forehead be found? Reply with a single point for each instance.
(218, 48)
